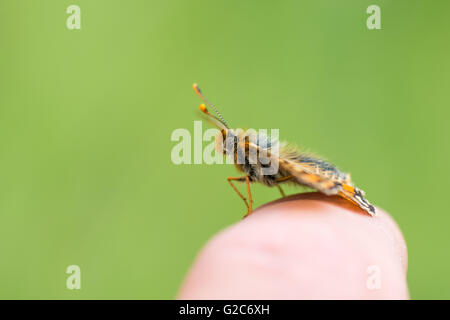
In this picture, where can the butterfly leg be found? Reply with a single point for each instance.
(282, 180)
(246, 179)
(281, 191)
(250, 200)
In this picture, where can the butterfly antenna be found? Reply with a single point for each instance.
(200, 94)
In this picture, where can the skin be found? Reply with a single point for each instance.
(305, 246)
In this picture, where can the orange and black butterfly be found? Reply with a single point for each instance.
(293, 167)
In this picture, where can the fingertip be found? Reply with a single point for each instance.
(302, 247)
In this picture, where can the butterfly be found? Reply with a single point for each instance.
(251, 153)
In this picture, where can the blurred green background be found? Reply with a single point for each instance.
(86, 117)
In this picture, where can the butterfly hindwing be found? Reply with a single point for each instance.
(337, 183)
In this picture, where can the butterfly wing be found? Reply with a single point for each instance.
(324, 177)
(356, 196)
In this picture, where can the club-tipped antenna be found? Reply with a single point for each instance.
(200, 94)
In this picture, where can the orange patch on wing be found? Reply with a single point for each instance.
(348, 188)
(343, 195)
(310, 178)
